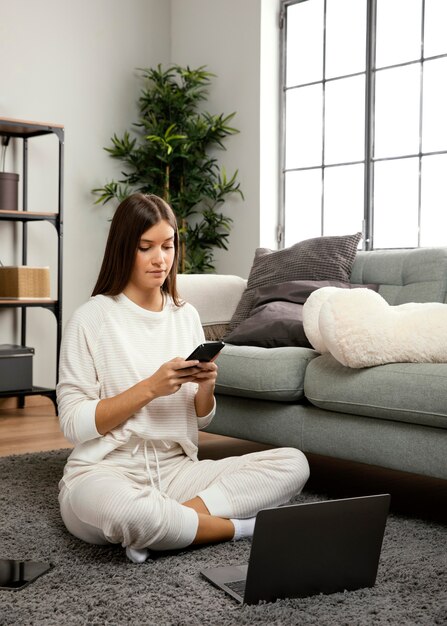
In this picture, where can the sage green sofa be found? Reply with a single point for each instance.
(393, 416)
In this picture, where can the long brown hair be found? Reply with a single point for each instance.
(133, 217)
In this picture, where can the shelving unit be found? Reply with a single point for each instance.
(26, 130)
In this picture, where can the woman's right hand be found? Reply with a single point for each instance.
(171, 376)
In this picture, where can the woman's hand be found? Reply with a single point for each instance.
(171, 376)
(206, 375)
(206, 379)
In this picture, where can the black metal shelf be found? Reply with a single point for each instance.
(13, 303)
(34, 391)
(28, 216)
(25, 130)
(10, 127)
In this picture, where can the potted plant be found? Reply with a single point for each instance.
(9, 183)
(171, 154)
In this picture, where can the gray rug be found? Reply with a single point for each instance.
(97, 585)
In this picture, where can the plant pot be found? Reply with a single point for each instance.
(9, 191)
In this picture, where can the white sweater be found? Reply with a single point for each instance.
(109, 345)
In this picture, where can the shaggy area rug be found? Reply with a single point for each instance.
(97, 585)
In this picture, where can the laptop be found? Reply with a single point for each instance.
(301, 550)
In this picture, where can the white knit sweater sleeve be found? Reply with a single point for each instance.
(78, 387)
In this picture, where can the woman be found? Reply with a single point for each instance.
(132, 405)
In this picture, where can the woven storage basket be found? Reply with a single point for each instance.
(24, 282)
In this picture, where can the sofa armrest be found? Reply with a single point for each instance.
(215, 296)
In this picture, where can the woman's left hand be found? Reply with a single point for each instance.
(206, 376)
(206, 380)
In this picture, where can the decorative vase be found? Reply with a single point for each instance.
(9, 191)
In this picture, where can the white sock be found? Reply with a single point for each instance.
(243, 527)
(137, 556)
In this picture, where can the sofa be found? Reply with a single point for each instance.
(393, 415)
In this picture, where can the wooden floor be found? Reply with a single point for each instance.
(35, 428)
(32, 429)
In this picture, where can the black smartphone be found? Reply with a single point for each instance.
(16, 574)
(206, 352)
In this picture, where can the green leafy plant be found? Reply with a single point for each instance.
(172, 153)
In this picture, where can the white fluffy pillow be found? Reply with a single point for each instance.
(360, 329)
(311, 313)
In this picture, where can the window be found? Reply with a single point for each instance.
(364, 87)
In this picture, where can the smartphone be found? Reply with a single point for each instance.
(206, 351)
(18, 574)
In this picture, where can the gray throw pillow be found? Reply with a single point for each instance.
(321, 258)
(276, 319)
(271, 325)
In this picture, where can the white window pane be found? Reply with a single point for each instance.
(396, 185)
(345, 120)
(434, 122)
(434, 201)
(345, 38)
(304, 49)
(304, 126)
(435, 25)
(343, 199)
(302, 206)
(398, 35)
(397, 111)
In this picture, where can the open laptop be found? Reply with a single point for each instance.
(306, 549)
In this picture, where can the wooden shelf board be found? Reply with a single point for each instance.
(23, 127)
(20, 213)
(28, 216)
(21, 301)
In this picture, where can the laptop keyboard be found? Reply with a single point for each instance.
(238, 586)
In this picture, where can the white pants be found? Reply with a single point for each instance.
(117, 503)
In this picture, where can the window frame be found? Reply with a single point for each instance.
(369, 159)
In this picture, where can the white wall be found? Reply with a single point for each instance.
(238, 41)
(269, 99)
(71, 62)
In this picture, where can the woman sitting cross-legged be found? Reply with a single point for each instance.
(132, 405)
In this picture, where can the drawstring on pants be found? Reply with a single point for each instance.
(146, 460)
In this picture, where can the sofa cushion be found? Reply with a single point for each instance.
(418, 275)
(263, 373)
(321, 258)
(405, 392)
(215, 296)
